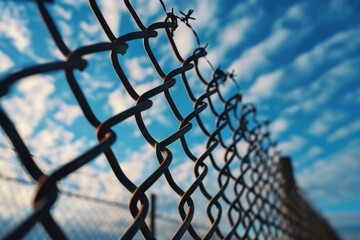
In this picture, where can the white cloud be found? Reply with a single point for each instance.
(29, 106)
(9, 163)
(338, 219)
(338, 10)
(146, 86)
(5, 62)
(314, 151)
(157, 112)
(343, 132)
(293, 145)
(278, 40)
(337, 173)
(94, 83)
(279, 126)
(62, 12)
(204, 12)
(90, 28)
(185, 40)
(265, 86)
(112, 11)
(321, 125)
(233, 34)
(67, 113)
(318, 128)
(335, 48)
(198, 149)
(311, 97)
(75, 4)
(353, 97)
(242, 147)
(245, 8)
(295, 12)
(54, 145)
(147, 9)
(13, 26)
(119, 101)
(140, 163)
(66, 29)
(184, 173)
(252, 61)
(139, 68)
(257, 59)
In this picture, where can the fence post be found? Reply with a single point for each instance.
(287, 198)
(152, 212)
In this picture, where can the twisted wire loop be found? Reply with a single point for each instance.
(256, 196)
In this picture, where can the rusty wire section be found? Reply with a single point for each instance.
(264, 202)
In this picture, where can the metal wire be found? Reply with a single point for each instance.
(265, 202)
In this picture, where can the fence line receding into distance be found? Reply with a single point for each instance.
(256, 196)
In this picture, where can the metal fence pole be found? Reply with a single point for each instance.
(152, 213)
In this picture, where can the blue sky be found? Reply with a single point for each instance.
(298, 61)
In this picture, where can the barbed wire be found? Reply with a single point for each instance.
(259, 200)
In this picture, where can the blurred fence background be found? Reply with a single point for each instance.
(87, 217)
(84, 217)
(238, 185)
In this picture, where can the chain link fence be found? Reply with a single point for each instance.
(240, 186)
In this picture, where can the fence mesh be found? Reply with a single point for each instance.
(241, 187)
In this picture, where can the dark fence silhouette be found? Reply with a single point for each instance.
(255, 194)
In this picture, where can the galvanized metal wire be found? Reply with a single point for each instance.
(265, 202)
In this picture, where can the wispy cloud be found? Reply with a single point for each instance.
(343, 218)
(90, 28)
(205, 14)
(62, 12)
(119, 101)
(279, 126)
(256, 60)
(181, 37)
(6, 62)
(233, 34)
(66, 29)
(264, 87)
(322, 89)
(67, 113)
(249, 7)
(140, 163)
(353, 97)
(292, 145)
(322, 125)
(112, 11)
(146, 9)
(139, 68)
(345, 131)
(29, 106)
(335, 173)
(314, 151)
(14, 27)
(333, 49)
(184, 173)
(94, 84)
(76, 4)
